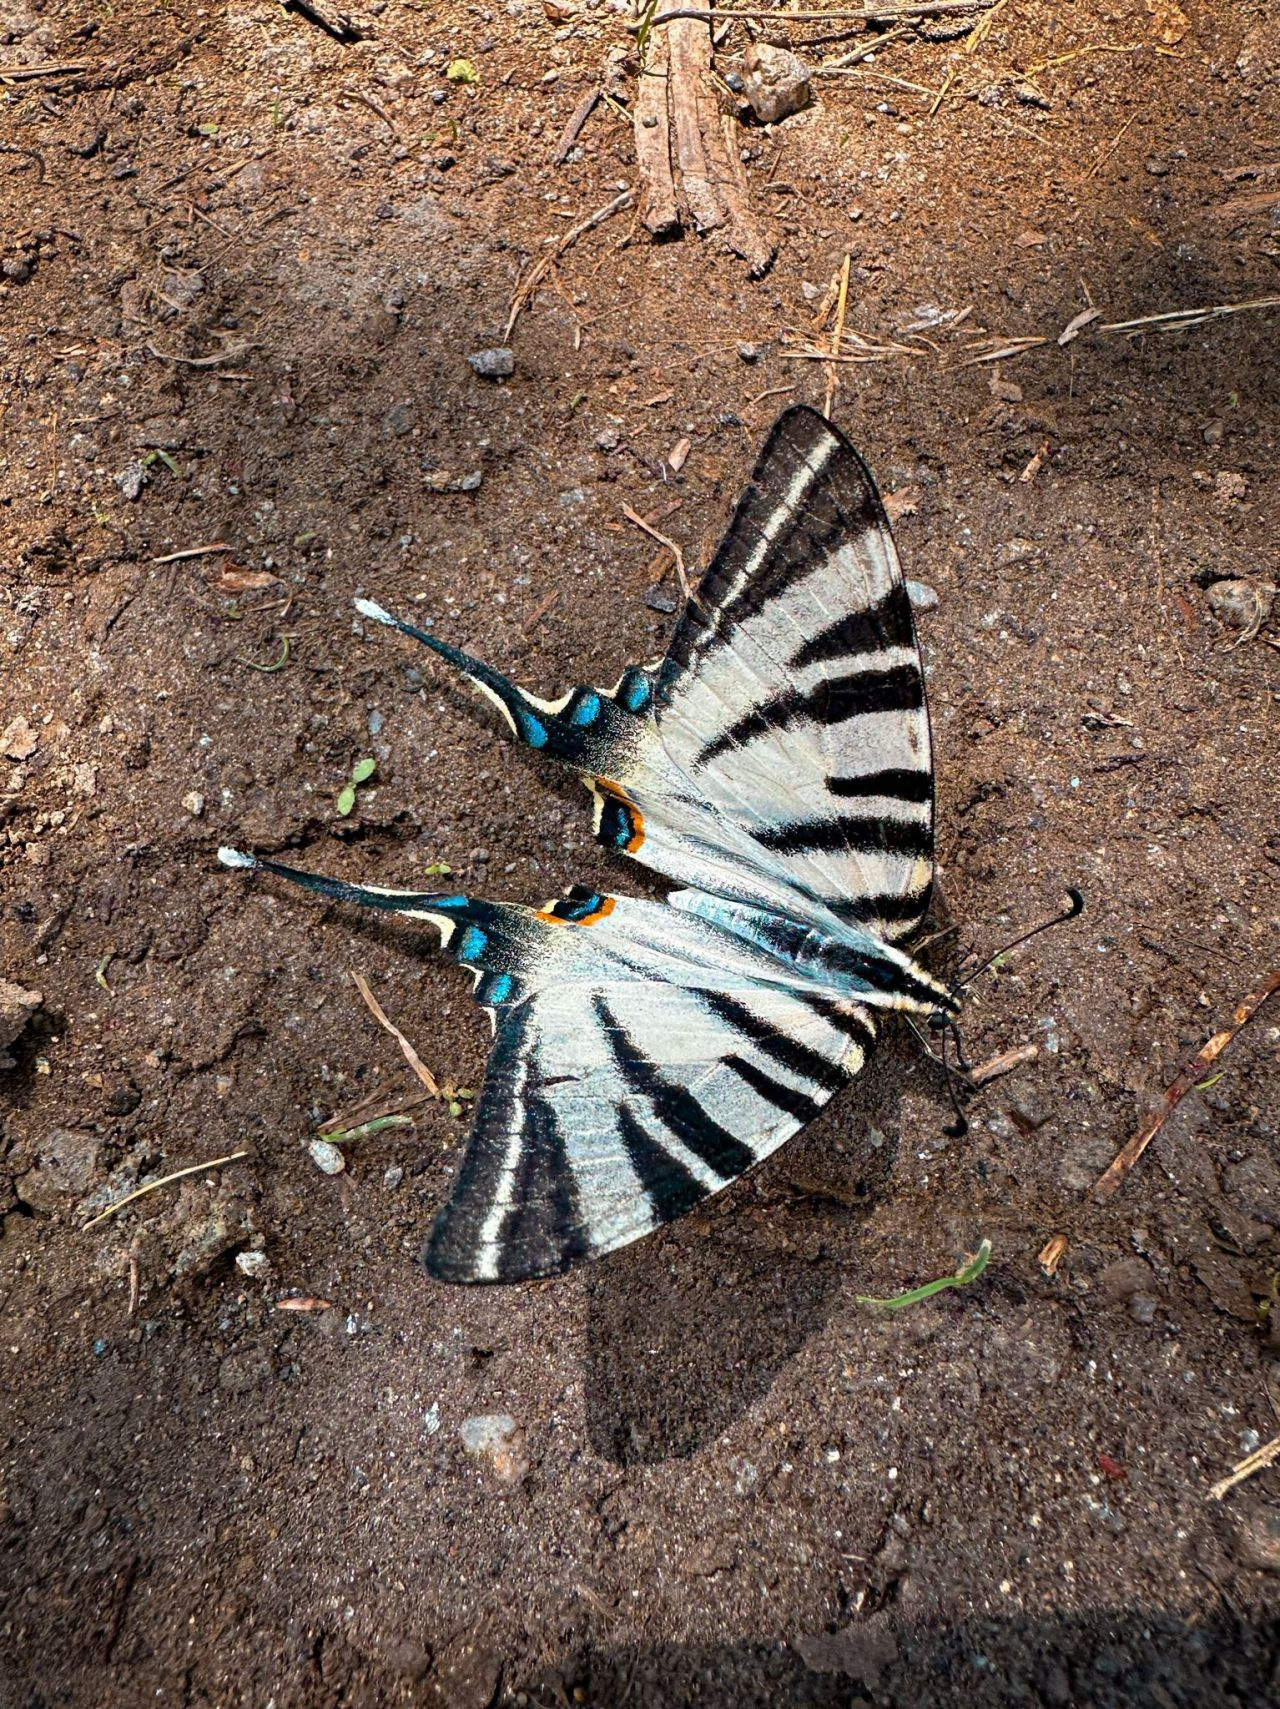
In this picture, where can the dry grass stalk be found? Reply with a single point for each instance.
(411, 1056)
(164, 1181)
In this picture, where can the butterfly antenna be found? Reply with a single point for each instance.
(1074, 907)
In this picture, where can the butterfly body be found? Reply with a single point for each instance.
(776, 766)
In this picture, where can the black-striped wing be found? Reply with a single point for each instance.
(642, 1060)
(779, 755)
(792, 696)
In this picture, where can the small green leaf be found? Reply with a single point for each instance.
(168, 462)
(462, 71)
(455, 1108)
(207, 130)
(346, 801)
(439, 869)
(364, 770)
(968, 1272)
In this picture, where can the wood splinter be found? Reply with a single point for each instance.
(686, 147)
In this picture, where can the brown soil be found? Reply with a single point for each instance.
(728, 1483)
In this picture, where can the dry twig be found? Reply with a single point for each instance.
(663, 540)
(833, 377)
(1255, 1462)
(542, 266)
(1124, 1161)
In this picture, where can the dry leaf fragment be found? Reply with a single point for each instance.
(904, 502)
(1077, 324)
(1031, 240)
(19, 741)
(678, 455)
(234, 578)
(557, 12)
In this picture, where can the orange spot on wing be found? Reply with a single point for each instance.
(618, 794)
(606, 907)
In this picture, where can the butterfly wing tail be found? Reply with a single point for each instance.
(592, 729)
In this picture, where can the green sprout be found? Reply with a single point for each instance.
(969, 1271)
(462, 71)
(364, 770)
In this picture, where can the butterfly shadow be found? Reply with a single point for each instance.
(688, 1329)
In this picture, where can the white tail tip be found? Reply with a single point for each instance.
(367, 608)
(233, 857)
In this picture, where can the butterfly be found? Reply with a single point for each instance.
(776, 765)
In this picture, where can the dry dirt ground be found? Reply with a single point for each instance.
(243, 267)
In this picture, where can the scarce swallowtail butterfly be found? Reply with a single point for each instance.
(776, 765)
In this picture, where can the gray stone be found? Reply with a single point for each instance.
(130, 480)
(777, 82)
(498, 1440)
(67, 1163)
(496, 364)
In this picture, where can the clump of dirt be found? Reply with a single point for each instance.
(248, 1452)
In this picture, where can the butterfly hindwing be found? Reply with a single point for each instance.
(643, 1059)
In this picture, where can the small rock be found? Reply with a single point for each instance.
(122, 1100)
(399, 419)
(1142, 1308)
(130, 480)
(19, 740)
(1212, 432)
(660, 599)
(16, 268)
(470, 482)
(407, 1657)
(392, 1177)
(326, 1157)
(255, 1265)
(496, 1438)
(65, 1168)
(1256, 1540)
(496, 364)
(193, 803)
(922, 596)
(1120, 1281)
(17, 1006)
(749, 352)
(1242, 604)
(209, 1230)
(777, 82)
(1229, 488)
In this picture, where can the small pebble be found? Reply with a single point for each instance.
(496, 1438)
(1142, 1308)
(393, 1177)
(749, 352)
(922, 596)
(496, 364)
(776, 80)
(1241, 604)
(255, 1265)
(326, 1157)
(130, 480)
(193, 803)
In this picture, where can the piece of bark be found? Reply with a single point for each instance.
(687, 148)
(653, 141)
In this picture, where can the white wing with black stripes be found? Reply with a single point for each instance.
(643, 1059)
(779, 755)
(776, 763)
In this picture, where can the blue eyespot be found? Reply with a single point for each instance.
(533, 732)
(500, 989)
(472, 945)
(635, 693)
(448, 901)
(586, 711)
